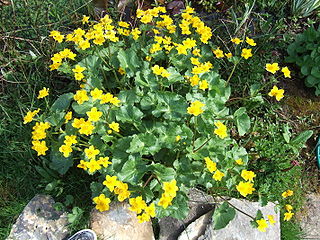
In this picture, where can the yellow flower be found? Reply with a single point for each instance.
(148, 58)
(77, 123)
(85, 19)
(195, 108)
(115, 101)
(211, 165)
(93, 166)
(104, 161)
(84, 44)
(122, 190)
(219, 53)
(246, 53)
(110, 182)
(137, 204)
(228, 55)
(40, 147)
(288, 207)
(43, 93)
(91, 152)
(239, 161)
(194, 80)
(123, 24)
(78, 76)
(248, 175)
(83, 164)
(286, 72)
(78, 69)
(236, 40)
(121, 71)
(143, 218)
(106, 98)
(102, 202)
(218, 175)
(273, 68)
(68, 116)
(81, 96)
(57, 36)
(30, 115)
(66, 150)
(245, 188)
(165, 201)
(250, 42)
(277, 93)
(287, 193)
(178, 138)
(189, 43)
(86, 128)
(151, 210)
(262, 225)
(96, 93)
(196, 52)
(69, 140)
(203, 85)
(94, 115)
(114, 126)
(170, 188)
(288, 216)
(221, 130)
(271, 219)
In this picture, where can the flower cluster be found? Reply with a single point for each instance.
(289, 214)
(170, 192)
(212, 167)
(139, 206)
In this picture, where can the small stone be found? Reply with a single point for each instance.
(240, 228)
(199, 204)
(40, 221)
(309, 217)
(119, 223)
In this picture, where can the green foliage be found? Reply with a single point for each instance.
(304, 8)
(275, 157)
(304, 52)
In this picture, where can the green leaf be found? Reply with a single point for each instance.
(129, 113)
(133, 170)
(75, 215)
(56, 119)
(242, 121)
(59, 162)
(302, 138)
(165, 174)
(129, 61)
(223, 215)
(62, 103)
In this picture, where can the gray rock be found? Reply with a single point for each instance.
(309, 217)
(196, 229)
(119, 223)
(240, 228)
(40, 221)
(199, 204)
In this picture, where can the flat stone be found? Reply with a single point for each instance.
(119, 223)
(240, 228)
(199, 204)
(309, 217)
(40, 221)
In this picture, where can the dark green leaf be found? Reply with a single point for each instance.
(223, 215)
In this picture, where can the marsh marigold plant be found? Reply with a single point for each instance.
(149, 115)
